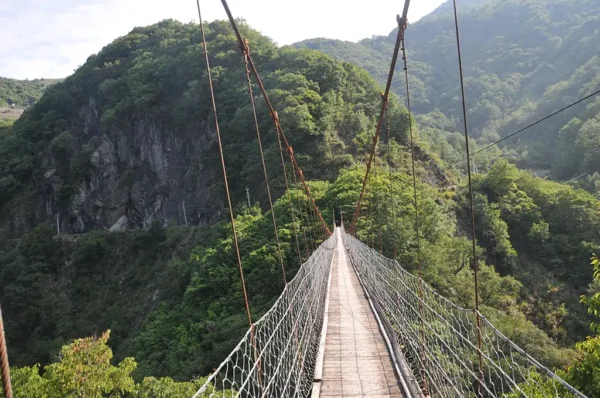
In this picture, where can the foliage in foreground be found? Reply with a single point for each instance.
(85, 370)
(23, 93)
(584, 373)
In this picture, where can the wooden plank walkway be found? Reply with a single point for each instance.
(356, 361)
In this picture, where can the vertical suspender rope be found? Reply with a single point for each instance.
(417, 220)
(288, 193)
(384, 100)
(262, 159)
(273, 113)
(474, 254)
(4, 366)
(391, 201)
(301, 213)
(369, 200)
(380, 229)
(232, 218)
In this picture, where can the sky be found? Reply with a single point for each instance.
(51, 38)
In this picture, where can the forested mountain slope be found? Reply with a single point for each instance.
(23, 93)
(16, 95)
(126, 139)
(523, 60)
(129, 137)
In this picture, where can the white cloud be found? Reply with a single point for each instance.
(50, 38)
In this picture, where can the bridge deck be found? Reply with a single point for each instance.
(356, 361)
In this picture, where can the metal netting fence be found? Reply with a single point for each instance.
(439, 339)
(276, 357)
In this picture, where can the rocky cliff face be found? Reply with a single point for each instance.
(135, 174)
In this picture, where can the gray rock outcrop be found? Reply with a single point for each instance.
(135, 174)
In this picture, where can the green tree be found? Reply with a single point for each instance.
(85, 371)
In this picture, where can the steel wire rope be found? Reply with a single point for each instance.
(481, 385)
(533, 124)
(264, 166)
(302, 212)
(416, 206)
(4, 366)
(401, 28)
(389, 159)
(289, 198)
(272, 111)
(232, 218)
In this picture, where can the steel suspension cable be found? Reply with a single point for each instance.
(232, 218)
(417, 219)
(371, 196)
(272, 111)
(401, 28)
(308, 212)
(595, 93)
(313, 217)
(4, 366)
(474, 248)
(262, 159)
(302, 213)
(389, 159)
(287, 188)
(379, 221)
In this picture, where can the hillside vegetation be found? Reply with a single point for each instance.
(22, 93)
(140, 111)
(523, 60)
(128, 135)
(134, 124)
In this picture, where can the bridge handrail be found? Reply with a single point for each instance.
(262, 363)
(438, 338)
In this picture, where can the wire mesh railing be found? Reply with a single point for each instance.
(276, 357)
(438, 339)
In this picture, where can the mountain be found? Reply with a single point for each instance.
(23, 93)
(127, 138)
(111, 155)
(523, 60)
(122, 143)
(16, 95)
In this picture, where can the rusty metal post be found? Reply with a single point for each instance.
(4, 362)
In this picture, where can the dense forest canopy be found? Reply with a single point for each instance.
(171, 295)
(152, 79)
(53, 290)
(23, 93)
(523, 60)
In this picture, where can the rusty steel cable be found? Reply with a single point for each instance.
(425, 386)
(4, 366)
(309, 220)
(272, 111)
(313, 218)
(301, 213)
(401, 28)
(474, 254)
(262, 159)
(287, 190)
(368, 196)
(232, 218)
(380, 229)
(389, 159)
(587, 97)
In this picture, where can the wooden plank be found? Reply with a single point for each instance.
(356, 361)
(316, 391)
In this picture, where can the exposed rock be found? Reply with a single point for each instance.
(138, 172)
(437, 176)
(121, 224)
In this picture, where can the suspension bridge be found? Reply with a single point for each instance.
(352, 322)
